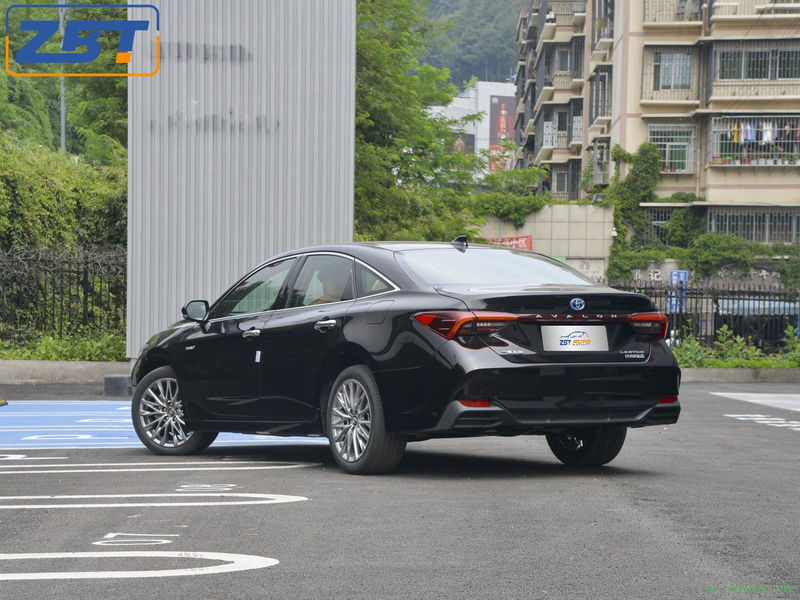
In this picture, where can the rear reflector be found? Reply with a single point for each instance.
(668, 400)
(450, 324)
(475, 403)
(651, 324)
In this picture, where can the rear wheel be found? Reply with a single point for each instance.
(589, 447)
(159, 417)
(356, 427)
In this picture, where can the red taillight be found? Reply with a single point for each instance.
(475, 403)
(651, 324)
(668, 400)
(450, 324)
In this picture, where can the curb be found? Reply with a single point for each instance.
(44, 371)
(740, 375)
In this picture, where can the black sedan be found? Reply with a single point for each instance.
(378, 344)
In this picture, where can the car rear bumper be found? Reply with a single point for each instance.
(533, 398)
(459, 420)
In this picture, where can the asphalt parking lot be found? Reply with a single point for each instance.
(704, 508)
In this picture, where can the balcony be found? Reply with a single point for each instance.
(553, 74)
(749, 10)
(600, 100)
(672, 12)
(559, 13)
(601, 163)
(578, 48)
(755, 141)
(757, 71)
(551, 133)
(671, 75)
(575, 130)
(602, 29)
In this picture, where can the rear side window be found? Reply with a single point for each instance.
(369, 283)
(323, 279)
(484, 266)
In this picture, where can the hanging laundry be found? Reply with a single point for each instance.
(736, 133)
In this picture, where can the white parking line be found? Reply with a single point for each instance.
(249, 500)
(151, 463)
(18, 470)
(232, 563)
(784, 401)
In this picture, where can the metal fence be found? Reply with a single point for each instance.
(758, 312)
(53, 293)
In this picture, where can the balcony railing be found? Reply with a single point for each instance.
(671, 74)
(578, 49)
(562, 12)
(756, 70)
(576, 133)
(600, 94)
(602, 24)
(601, 162)
(671, 11)
(753, 8)
(750, 141)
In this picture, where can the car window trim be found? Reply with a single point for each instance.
(291, 279)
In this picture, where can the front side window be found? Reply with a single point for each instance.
(561, 182)
(257, 293)
(323, 279)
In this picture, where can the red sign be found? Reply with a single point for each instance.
(523, 242)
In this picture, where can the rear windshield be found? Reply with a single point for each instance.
(477, 266)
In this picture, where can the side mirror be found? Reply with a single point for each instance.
(196, 310)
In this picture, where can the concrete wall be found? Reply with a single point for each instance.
(579, 233)
(239, 148)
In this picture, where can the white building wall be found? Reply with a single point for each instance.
(239, 148)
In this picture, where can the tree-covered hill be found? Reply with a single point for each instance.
(481, 39)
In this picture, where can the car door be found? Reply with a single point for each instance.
(298, 339)
(220, 379)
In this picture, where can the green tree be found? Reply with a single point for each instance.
(479, 38)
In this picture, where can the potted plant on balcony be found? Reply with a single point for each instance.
(762, 159)
(727, 160)
(745, 160)
(737, 160)
(716, 160)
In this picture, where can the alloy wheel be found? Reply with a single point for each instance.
(161, 414)
(351, 420)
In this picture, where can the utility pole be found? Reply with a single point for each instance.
(62, 17)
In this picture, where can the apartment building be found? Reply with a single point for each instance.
(715, 84)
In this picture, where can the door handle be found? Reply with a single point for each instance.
(251, 333)
(324, 325)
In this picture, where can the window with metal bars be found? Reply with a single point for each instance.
(759, 63)
(757, 225)
(672, 70)
(677, 144)
(755, 140)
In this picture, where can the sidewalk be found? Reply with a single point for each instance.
(55, 391)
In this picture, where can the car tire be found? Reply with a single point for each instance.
(158, 416)
(591, 447)
(353, 407)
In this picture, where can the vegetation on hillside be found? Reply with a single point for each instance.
(478, 40)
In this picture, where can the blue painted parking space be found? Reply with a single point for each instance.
(31, 425)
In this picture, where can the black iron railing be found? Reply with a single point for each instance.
(758, 312)
(54, 293)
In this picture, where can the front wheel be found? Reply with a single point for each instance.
(590, 447)
(159, 417)
(356, 427)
